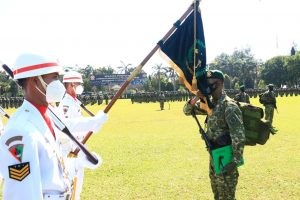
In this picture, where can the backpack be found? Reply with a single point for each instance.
(257, 130)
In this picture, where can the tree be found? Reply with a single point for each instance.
(172, 77)
(240, 65)
(236, 86)
(275, 71)
(123, 68)
(292, 64)
(157, 74)
(148, 85)
(7, 86)
(261, 84)
(103, 70)
(227, 82)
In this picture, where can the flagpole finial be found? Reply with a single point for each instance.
(196, 3)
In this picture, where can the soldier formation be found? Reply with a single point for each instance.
(253, 93)
(152, 97)
(11, 102)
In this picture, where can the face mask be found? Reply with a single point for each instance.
(211, 88)
(79, 89)
(55, 90)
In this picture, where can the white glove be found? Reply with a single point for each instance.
(83, 162)
(99, 119)
(102, 116)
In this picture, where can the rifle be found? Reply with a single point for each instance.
(2, 112)
(209, 146)
(202, 133)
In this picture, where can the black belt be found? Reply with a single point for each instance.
(221, 141)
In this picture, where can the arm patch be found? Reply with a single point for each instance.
(19, 171)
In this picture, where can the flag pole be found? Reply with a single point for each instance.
(141, 65)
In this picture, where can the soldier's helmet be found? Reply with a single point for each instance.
(72, 77)
(30, 65)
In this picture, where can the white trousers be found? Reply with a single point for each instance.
(79, 184)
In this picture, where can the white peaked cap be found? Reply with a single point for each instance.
(30, 65)
(72, 77)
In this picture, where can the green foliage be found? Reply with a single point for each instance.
(282, 70)
(292, 64)
(241, 65)
(261, 84)
(236, 86)
(148, 85)
(7, 86)
(163, 78)
(227, 82)
(275, 71)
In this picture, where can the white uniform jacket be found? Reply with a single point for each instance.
(30, 157)
(79, 126)
(74, 120)
(70, 106)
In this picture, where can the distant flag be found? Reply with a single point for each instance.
(182, 53)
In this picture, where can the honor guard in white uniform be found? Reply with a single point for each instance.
(31, 161)
(70, 106)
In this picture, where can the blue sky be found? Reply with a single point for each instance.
(105, 32)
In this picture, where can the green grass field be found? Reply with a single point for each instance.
(153, 154)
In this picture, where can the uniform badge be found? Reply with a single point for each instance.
(17, 151)
(19, 171)
(65, 108)
(13, 139)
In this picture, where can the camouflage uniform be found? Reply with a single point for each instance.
(269, 100)
(162, 101)
(242, 97)
(226, 118)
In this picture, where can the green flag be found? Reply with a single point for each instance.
(182, 53)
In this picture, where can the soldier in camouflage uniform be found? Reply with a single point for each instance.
(225, 121)
(268, 99)
(162, 100)
(242, 96)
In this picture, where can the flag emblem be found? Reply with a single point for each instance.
(17, 151)
(185, 51)
(65, 109)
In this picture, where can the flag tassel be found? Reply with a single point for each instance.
(194, 84)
